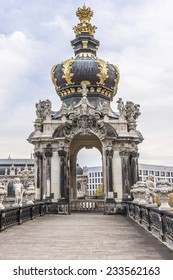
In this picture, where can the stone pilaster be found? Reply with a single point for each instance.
(63, 175)
(124, 154)
(109, 155)
(55, 175)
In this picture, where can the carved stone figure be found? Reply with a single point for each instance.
(121, 107)
(18, 189)
(150, 194)
(3, 192)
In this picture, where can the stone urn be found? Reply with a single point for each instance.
(135, 193)
(142, 192)
(164, 188)
(3, 192)
(30, 194)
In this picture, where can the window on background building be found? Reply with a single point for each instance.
(102, 174)
(162, 173)
(144, 179)
(151, 172)
(171, 174)
(92, 174)
(140, 178)
(102, 180)
(156, 173)
(140, 172)
(95, 174)
(169, 180)
(168, 174)
(98, 180)
(145, 172)
(95, 180)
(98, 174)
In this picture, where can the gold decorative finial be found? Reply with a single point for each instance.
(84, 14)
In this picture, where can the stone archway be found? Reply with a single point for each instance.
(79, 142)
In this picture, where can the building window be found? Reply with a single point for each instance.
(156, 173)
(11, 189)
(171, 174)
(145, 172)
(151, 172)
(98, 174)
(140, 172)
(95, 180)
(90, 174)
(167, 174)
(162, 173)
(102, 174)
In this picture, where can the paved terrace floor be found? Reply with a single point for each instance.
(81, 236)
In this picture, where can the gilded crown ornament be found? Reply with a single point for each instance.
(84, 14)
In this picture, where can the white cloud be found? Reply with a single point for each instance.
(135, 35)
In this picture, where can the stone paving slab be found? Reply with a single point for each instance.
(81, 237)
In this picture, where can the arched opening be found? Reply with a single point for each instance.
(89, 173)
(86, 151)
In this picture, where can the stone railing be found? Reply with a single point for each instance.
(87, 205)
(158, 222)
(19, 214)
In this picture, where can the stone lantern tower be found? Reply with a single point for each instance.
(86, 85)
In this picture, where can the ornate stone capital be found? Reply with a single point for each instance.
(48, 151)
(62, 152)
(109, 151)
(38, 154)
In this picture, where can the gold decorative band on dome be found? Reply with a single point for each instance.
(91, 89)
(66, 70)
(86, 54)
(103, 75)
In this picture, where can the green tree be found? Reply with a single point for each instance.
(99, 191)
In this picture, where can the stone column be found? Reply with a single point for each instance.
(109, 154)
(62, 155)
(48, 155)
(117, 175)
(55, 176)
(124, 154)
(73, 189)
(134, 167)
(38, 174)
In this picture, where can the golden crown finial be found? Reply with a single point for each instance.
(84, 14)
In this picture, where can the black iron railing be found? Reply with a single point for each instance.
(17, 215)
(159, 223)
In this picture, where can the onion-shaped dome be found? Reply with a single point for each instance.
(100, 76)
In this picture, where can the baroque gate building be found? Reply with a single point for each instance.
(86, 85)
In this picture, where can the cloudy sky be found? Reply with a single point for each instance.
(136, 35)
